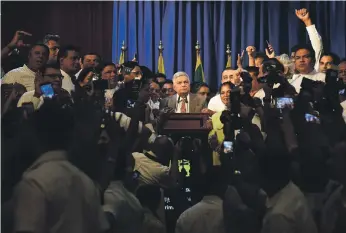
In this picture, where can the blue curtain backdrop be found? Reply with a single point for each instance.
(142, 24)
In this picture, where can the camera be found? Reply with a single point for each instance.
(272, 70)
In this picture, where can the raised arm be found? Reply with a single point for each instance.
(315, 38)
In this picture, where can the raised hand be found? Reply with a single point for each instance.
(38, 82)
(251, 50)
(17, 40)
(240, 59)
(303, 15)
(270, 51)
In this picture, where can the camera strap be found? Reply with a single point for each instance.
(153, 158)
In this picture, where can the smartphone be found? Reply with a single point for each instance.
(341, 92)
(47, 90)
(283, 102)
(227, 147)
(311, 118)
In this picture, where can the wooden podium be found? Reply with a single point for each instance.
(182, 123)
(189, 125)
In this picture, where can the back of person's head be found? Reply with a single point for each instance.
(49, 37)
(275, 164)
(63, 52)
(163, 148)
(54, 123)
(149, 196)
(261, 55)
(215, 182)
(160, 75)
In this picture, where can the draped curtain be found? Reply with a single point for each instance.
(88, 25)
(142, 24)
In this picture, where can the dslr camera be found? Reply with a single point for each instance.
(272, 70)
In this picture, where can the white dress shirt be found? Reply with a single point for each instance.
(28, 97)
(67, 82)
(288, 211)
(55, 196)
(316, 42)
(343, 105)
(178, 107)
(205, 216)
(22, 75)
(77, 74)
(216, 104)
(296, 81)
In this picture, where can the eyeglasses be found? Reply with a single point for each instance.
(53, 76)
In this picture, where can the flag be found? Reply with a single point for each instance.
(161, 65)
(199, 74)
(228, 65)
(122, 58)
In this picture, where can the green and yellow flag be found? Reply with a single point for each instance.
(228, 65)
(161, 64)
(122, 58)
(199, 74)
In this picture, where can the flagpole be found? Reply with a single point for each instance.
(160, 60)
(229, 57)
(124, 49)
(198, 50)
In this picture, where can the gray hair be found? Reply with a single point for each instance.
(178, 74)
(288, 64)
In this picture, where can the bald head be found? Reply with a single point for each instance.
(230, 75)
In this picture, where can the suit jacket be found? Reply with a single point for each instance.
(196, 103)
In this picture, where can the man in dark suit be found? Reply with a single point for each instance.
(183, 101)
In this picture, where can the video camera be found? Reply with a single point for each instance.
(272, 70)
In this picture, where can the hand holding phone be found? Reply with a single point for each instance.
(270, 50)
(227, 147)
(47, 90)
(312, 118)
(284, 102)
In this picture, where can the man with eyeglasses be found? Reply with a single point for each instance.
(53, 43)
(51, 75)
(167, 89)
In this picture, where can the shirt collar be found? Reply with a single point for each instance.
(49, 156)
(25, 67)
(271, 202)
(187, 98)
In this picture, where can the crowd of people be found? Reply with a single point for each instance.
(83, 148)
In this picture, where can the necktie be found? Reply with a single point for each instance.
(183, 106)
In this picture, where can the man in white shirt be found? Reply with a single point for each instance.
(315, 38)
(228, 75)
(304, 61)
(287, 208)
(51, 75)
(89, 60)
(183, 101)
(206, 215)
(68, 58)
(38, 57)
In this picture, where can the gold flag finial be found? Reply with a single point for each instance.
(161, 48)
(123, 47)
(228, 51)
(197, 47)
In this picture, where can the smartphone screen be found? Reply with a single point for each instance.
(228, 146)
(284, 102)
(311, 118)
(47, 90)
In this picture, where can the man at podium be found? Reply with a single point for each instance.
(183, 101)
